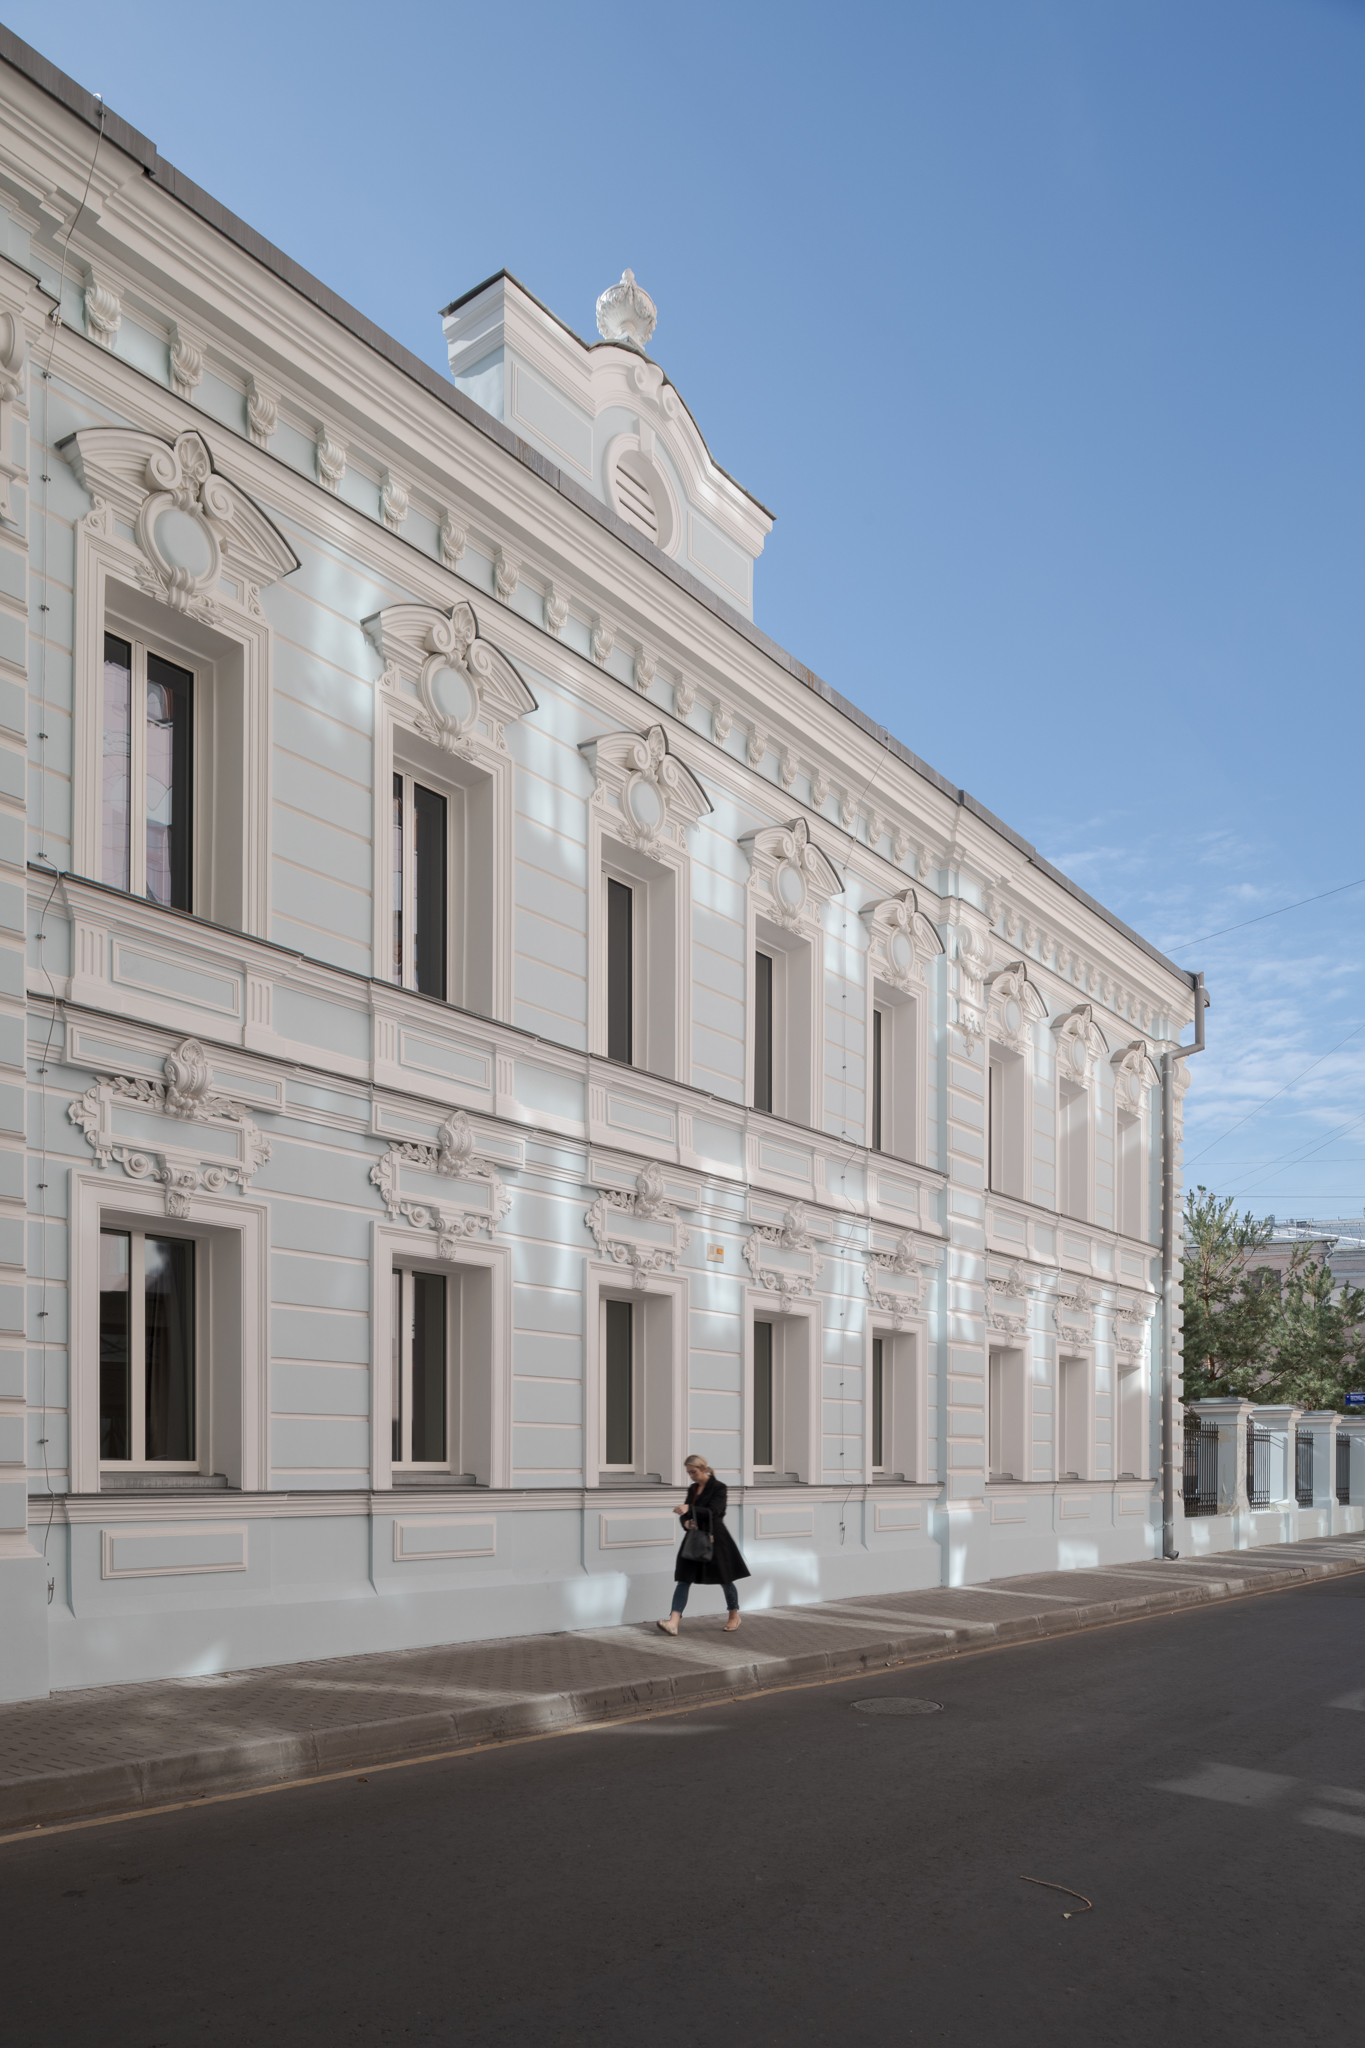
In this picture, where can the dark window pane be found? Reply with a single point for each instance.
(763, 1393)
(116, 1391)
(169, 693)
(397, 1433)
(428, 1368)
(429, 938)
(876, 1080)
(115, 765)
(169, 1297)
(620, 1390)
(878, 1403)
(398, 879)
(763, 1031)
(620, 972)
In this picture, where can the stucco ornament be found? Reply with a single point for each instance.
(1013, 1007)
(466, 687)
(1131, 1316)
(626, 313)
(1135, 1075)
(1007, 1301)
(651, 794)
(639, 1227)
(782, 1257)
(189, 522)
(112, 1112)
(479, 1199)
(897, 1277)
(901, 939)
(13, 351)
(1073, 1310)
(792, 878)
(1080, 1045)
(973, 961)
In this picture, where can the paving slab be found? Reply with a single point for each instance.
(128, 1748)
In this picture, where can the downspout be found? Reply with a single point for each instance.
(1168, 1255)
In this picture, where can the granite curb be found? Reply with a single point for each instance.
(51, 1797)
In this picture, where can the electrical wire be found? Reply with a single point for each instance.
(1204, 937)
(1354, 1032)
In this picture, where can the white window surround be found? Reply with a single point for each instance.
(645, 798)
(1074, 1414)
(157, 507)
(660, 1302)
(484, 1434)
(234, 1276)
(1009, 1453)
(902, 946)
(1080, 1046)
(798, 1367)
(1135, 1076)
(1012, 1007)
(791, 882)
(441, 704)
(905, 1414)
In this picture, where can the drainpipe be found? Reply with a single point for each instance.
(1168, 1301)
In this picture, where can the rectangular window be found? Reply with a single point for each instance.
(763, 1031)
(763, 1397)
(1006, 1395)
(147, 774)
(421, 887)
(995, 1125)
(878, 1020)
(1073, 1190)
(1130, 1220)
(618, 1433)
(878, 1405)
(147, 1331)
(1073, 1418)
(620, 971)
(421, 1369)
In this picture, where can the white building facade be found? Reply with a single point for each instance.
(480, 1021)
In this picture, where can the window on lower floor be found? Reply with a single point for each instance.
(149, 1351)
(784, 1442)
(1075, 1412)
(442, 1372)
(147, 774)
(1007, 1447)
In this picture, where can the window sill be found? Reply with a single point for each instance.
(164, 1482)
(440, 1482)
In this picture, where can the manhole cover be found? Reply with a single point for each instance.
(897, 1703)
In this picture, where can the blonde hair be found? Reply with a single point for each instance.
(695, 1458)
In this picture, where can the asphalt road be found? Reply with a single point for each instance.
(785, 1870)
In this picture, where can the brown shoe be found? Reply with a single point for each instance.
(669, 1627)
(732, 1620)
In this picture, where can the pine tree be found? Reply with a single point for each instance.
(1230, 1308)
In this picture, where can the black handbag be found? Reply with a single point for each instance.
(698, 1545)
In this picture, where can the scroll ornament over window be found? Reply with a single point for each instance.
(792, 878)
(466, 688)
(1013, 1007)
(1131, 1316)
(116, 1115)
(1073, 1311)
(973, 963)
(901, 939)
(639, 1227)
(1080, 1045)
(1135, 1075)
(1007, 1301)
(650, 794)
(478, 1199)
(782, 1257)
(898, 1277)
(200, 541)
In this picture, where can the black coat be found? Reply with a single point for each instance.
(707, 1509)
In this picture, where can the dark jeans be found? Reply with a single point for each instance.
(683, 1588)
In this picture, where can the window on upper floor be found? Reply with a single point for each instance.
(1073, 1149)
(640, 968)
(440, 829)
(147, 773)
(1128, 1170)
(783, 1002)
(1007, 1122)
(894, 1078)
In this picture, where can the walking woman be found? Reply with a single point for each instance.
(704, 1512)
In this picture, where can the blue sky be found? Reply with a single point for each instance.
(1039, 325)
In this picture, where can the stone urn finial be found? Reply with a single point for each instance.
(626, 312)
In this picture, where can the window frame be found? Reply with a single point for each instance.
(798, 1364)
(659, 1370)
(797, 1022)
(478, 1388)
(905, 1418)
(400, 1349)
(1074, 1401)
(137, 1236)
(1008, 1416)
(902, 1071)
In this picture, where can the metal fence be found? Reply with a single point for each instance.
(1201, 1467)
(1303, 1468)
(1258, 1466)
(1343, 1471)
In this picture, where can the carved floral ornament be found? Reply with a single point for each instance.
(1080, 1045)
(1013, 1007)
(478, 1201)
(466, 688)
(1131, 1316)
(792, 878)
(1073, 1310)
(898, 1278)
(190, 524)
(782, 1256)
(639, 1228)
(1135, 1074)
(973, 949)
(901, 938)
(112, 1114)
(1007, 1301)
(652, 796)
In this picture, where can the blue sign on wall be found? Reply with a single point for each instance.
(1356, 1400)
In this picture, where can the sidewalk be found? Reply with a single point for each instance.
(118, 1748)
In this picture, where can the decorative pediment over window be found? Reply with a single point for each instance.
(139, 1125)
(794, 880)
(1013, 1006)
(898, 1275)
(782, 1256)
(466, 687)
(1073, 1311)
(201, 542)
(650, 795)
(469, 1195)
(1134, 1074)
(1080, 1044)
(1131, 1317)
(901, 939)
(639, 1227)
(1007, 1296)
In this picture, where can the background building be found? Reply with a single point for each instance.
(495, 1021)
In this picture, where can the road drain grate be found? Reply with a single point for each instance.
(898, 1703)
